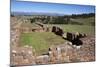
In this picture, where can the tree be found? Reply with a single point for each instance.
(32, 20)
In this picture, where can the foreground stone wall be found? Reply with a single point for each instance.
(22, 56)
(63, 53)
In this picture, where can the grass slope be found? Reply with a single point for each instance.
(85, 21)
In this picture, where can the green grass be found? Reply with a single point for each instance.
(40, 41)
(90, 30)
(85, 21)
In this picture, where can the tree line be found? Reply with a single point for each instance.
(66, 19)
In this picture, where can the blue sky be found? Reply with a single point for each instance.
(18, 6)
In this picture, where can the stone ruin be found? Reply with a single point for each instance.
(27, 56)
(59, 54)
(56, 54)
(28, 30)
(57, 30)
(62, 53)
(72, 37)
(42, 27)
(22, 56)
(65, 53)
(75, 38)
(39, 28)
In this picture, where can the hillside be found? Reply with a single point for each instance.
(85, 21)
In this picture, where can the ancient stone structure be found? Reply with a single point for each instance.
(15, 31)
(72, 37)
(57, 30)
(38, 28)
(56, 54)
(22, 56)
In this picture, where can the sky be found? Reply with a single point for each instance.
(23, 6)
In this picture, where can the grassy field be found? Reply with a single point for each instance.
(90, 30)
(41, 41)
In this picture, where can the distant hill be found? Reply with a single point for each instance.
(35, 13)
(85, 21)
